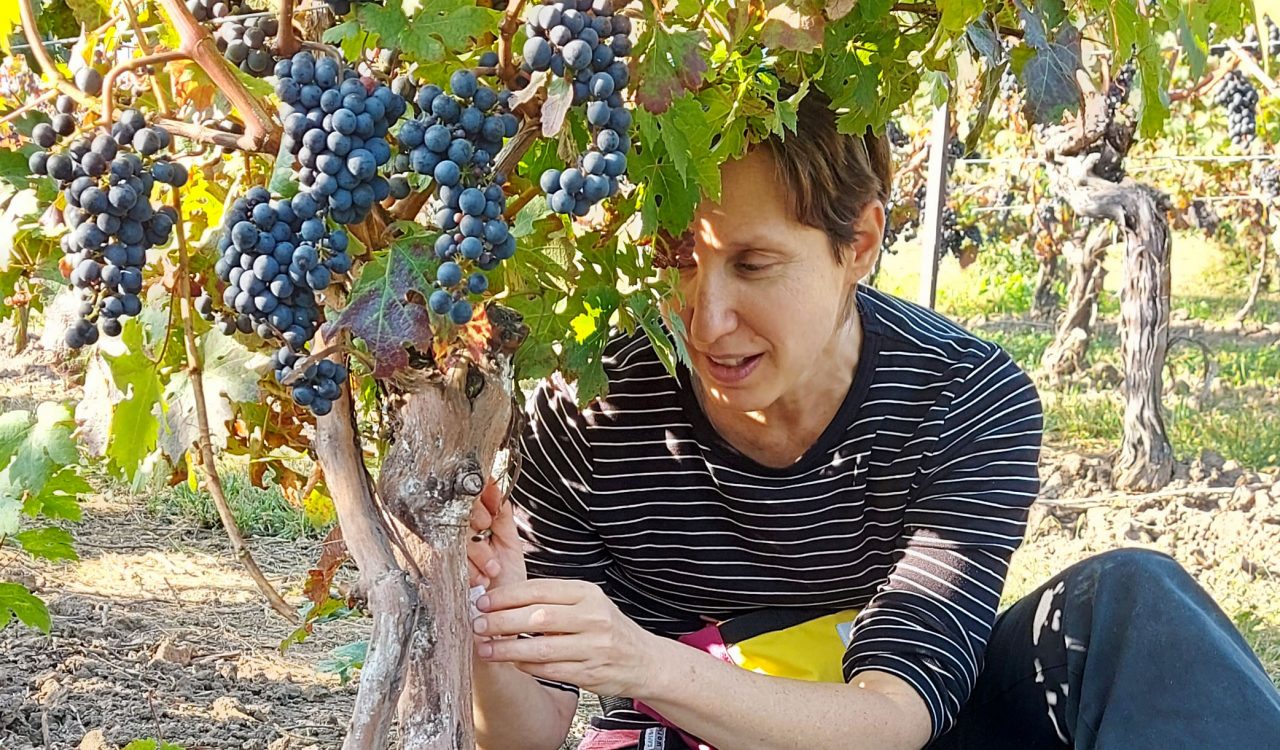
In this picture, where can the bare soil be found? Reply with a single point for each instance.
(157, 632)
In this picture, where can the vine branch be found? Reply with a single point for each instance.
(286, 39)
(259, 127)
(195, 371)
(506, 33)
(50, 68)
(109, 80)
(162, 101)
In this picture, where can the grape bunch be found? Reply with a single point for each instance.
(955, 236)
(1268, 181)
(1240, 100)
(107, 182)
(337, 128)
(1120, 88)
(317, 387)
(1203, 217)
(584, 42)
(1009, 84)
(249, 45)
(897, 137)
(454, 140)
(275, 256)
(456, 134)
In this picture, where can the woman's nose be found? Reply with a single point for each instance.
(713, 314)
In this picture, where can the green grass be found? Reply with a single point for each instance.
(257, 511)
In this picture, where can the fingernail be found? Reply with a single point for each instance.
(482, 602)
(492, 567)
(479, 625)
(485, 650)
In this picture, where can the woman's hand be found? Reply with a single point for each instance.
(585, 640)
(498, 559)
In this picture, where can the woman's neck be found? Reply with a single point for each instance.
(780, 434)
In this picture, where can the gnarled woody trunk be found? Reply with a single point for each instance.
(1066, 354)
(409, 541)
(1146, 458)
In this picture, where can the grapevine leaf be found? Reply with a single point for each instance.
(837, 9)
(668, 62)
(1048, 78)
(230, 377)
(49, 542)
(14, 428)
(134, 425)
(17, 601)
(1153, 83)
(345, 660)
(13, 167)
(584, 354)
(556, 106)
(44, 450)
(650, 318)
(522, 225)
(152, 745)
(59, 499)
(386, 307)
(283, 180)
(786, 27)
(438, 28)
(93, 412)
(9, 19)
(957, 14)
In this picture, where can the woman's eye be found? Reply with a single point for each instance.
(752, 267)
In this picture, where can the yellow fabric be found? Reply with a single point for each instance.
(812, 650)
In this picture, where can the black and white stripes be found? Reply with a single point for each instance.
(908, 506)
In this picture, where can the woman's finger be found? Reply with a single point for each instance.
(481, 518)
(535, 618)
(475, 577)
(491, 499)
(537, 650)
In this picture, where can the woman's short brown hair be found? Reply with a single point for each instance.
(831, 176)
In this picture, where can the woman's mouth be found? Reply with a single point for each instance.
(730, 370)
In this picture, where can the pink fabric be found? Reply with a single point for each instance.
(709, 640)
(610, 739)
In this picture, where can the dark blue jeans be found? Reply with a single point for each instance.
(1124, 651)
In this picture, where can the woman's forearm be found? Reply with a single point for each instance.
(732, 708)
(513, 711)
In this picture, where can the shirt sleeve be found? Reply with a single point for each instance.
(930, 621)
(551, 490)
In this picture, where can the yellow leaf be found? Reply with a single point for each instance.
(585, 323)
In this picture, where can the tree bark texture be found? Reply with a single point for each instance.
(1043, 298)
(448, 432)
(1145, 461)
(450, 429)
(1066, 354)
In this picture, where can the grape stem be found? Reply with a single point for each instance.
(162, 101)
(1251, 66)
(109, 80)
(30, 105)
(1209, 81)
(195, 372)
(507, 32)
(50, 68)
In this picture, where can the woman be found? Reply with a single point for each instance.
(836, 467)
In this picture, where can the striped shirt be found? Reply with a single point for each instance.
(908, 507)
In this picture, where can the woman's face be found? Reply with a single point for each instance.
(763, 297)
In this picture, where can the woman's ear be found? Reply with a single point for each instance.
(867, 239)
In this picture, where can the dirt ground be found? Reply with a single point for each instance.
(157, 632)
